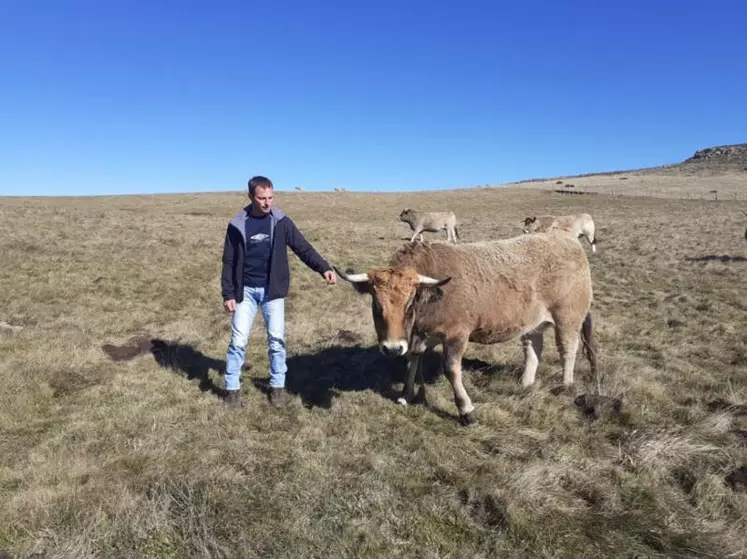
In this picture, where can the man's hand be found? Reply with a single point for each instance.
(230, 305)
(329, 275)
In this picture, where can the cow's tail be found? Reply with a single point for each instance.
(588, 343)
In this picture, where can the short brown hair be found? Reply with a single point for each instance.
(254, 182)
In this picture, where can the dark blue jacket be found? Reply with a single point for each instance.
(283, 234)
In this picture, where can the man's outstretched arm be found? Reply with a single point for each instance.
(303, 249)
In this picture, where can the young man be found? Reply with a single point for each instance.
(256, 277)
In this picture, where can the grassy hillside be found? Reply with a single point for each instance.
(128, 452)
(718, 172)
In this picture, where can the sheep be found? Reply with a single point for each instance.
(430, 221)
(578, 225)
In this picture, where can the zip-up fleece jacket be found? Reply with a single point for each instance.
(283, 234)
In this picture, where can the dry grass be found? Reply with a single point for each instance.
(139, 458)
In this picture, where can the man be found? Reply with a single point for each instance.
(255, 277)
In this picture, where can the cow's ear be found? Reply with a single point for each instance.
(427, 295)
(430, 293)
(364, 287)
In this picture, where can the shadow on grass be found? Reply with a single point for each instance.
(318, 377)
(186, 360)
(315, 377)
(716, 258)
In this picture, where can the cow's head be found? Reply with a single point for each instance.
(405, 214)
(396, 294)
(530, 224)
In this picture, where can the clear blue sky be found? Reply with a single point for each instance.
(136, 96)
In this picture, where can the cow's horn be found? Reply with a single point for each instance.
(431, 282)
(352, 278)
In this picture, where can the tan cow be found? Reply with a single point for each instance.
(430, 221)
(577, 225)
(487, 292)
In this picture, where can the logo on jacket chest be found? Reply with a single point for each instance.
(259, 238)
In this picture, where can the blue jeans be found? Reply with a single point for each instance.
(241, 324)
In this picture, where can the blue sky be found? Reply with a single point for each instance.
(154, 96)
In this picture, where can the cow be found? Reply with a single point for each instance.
(430, 221)
(577, 225)
(487, 292)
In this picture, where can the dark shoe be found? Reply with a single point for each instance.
(279, 397)
(233, 400)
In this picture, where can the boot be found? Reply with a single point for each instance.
(279, 397)
(233, 400)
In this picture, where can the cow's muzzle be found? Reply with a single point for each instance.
(393, 349)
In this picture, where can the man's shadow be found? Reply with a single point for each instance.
(188, 361)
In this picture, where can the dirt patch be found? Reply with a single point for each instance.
(596, 405)
(345, 337)
(737, 479)
(741, 434)
(720, 404)
(134, 347)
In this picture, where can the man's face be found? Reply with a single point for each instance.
(262, 199)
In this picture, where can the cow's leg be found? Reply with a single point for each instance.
(421, 398)
(532, 354)
(566, 338)
(454, 350)
(413, 367)
(418, 346)
(417, 231)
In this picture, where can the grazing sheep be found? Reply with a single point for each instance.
(578, 225)
(430, 221)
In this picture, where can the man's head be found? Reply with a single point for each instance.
(260, 194)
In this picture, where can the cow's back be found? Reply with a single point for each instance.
(498, 287)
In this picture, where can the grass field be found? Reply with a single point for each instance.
(138, 457)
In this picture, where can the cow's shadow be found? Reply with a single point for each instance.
(716, 258)
(316, 377)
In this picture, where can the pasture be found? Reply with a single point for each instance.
(113, 445)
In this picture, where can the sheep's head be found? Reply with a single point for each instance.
(530, 224)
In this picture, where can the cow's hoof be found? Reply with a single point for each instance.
(468, 418)
(401, 401)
